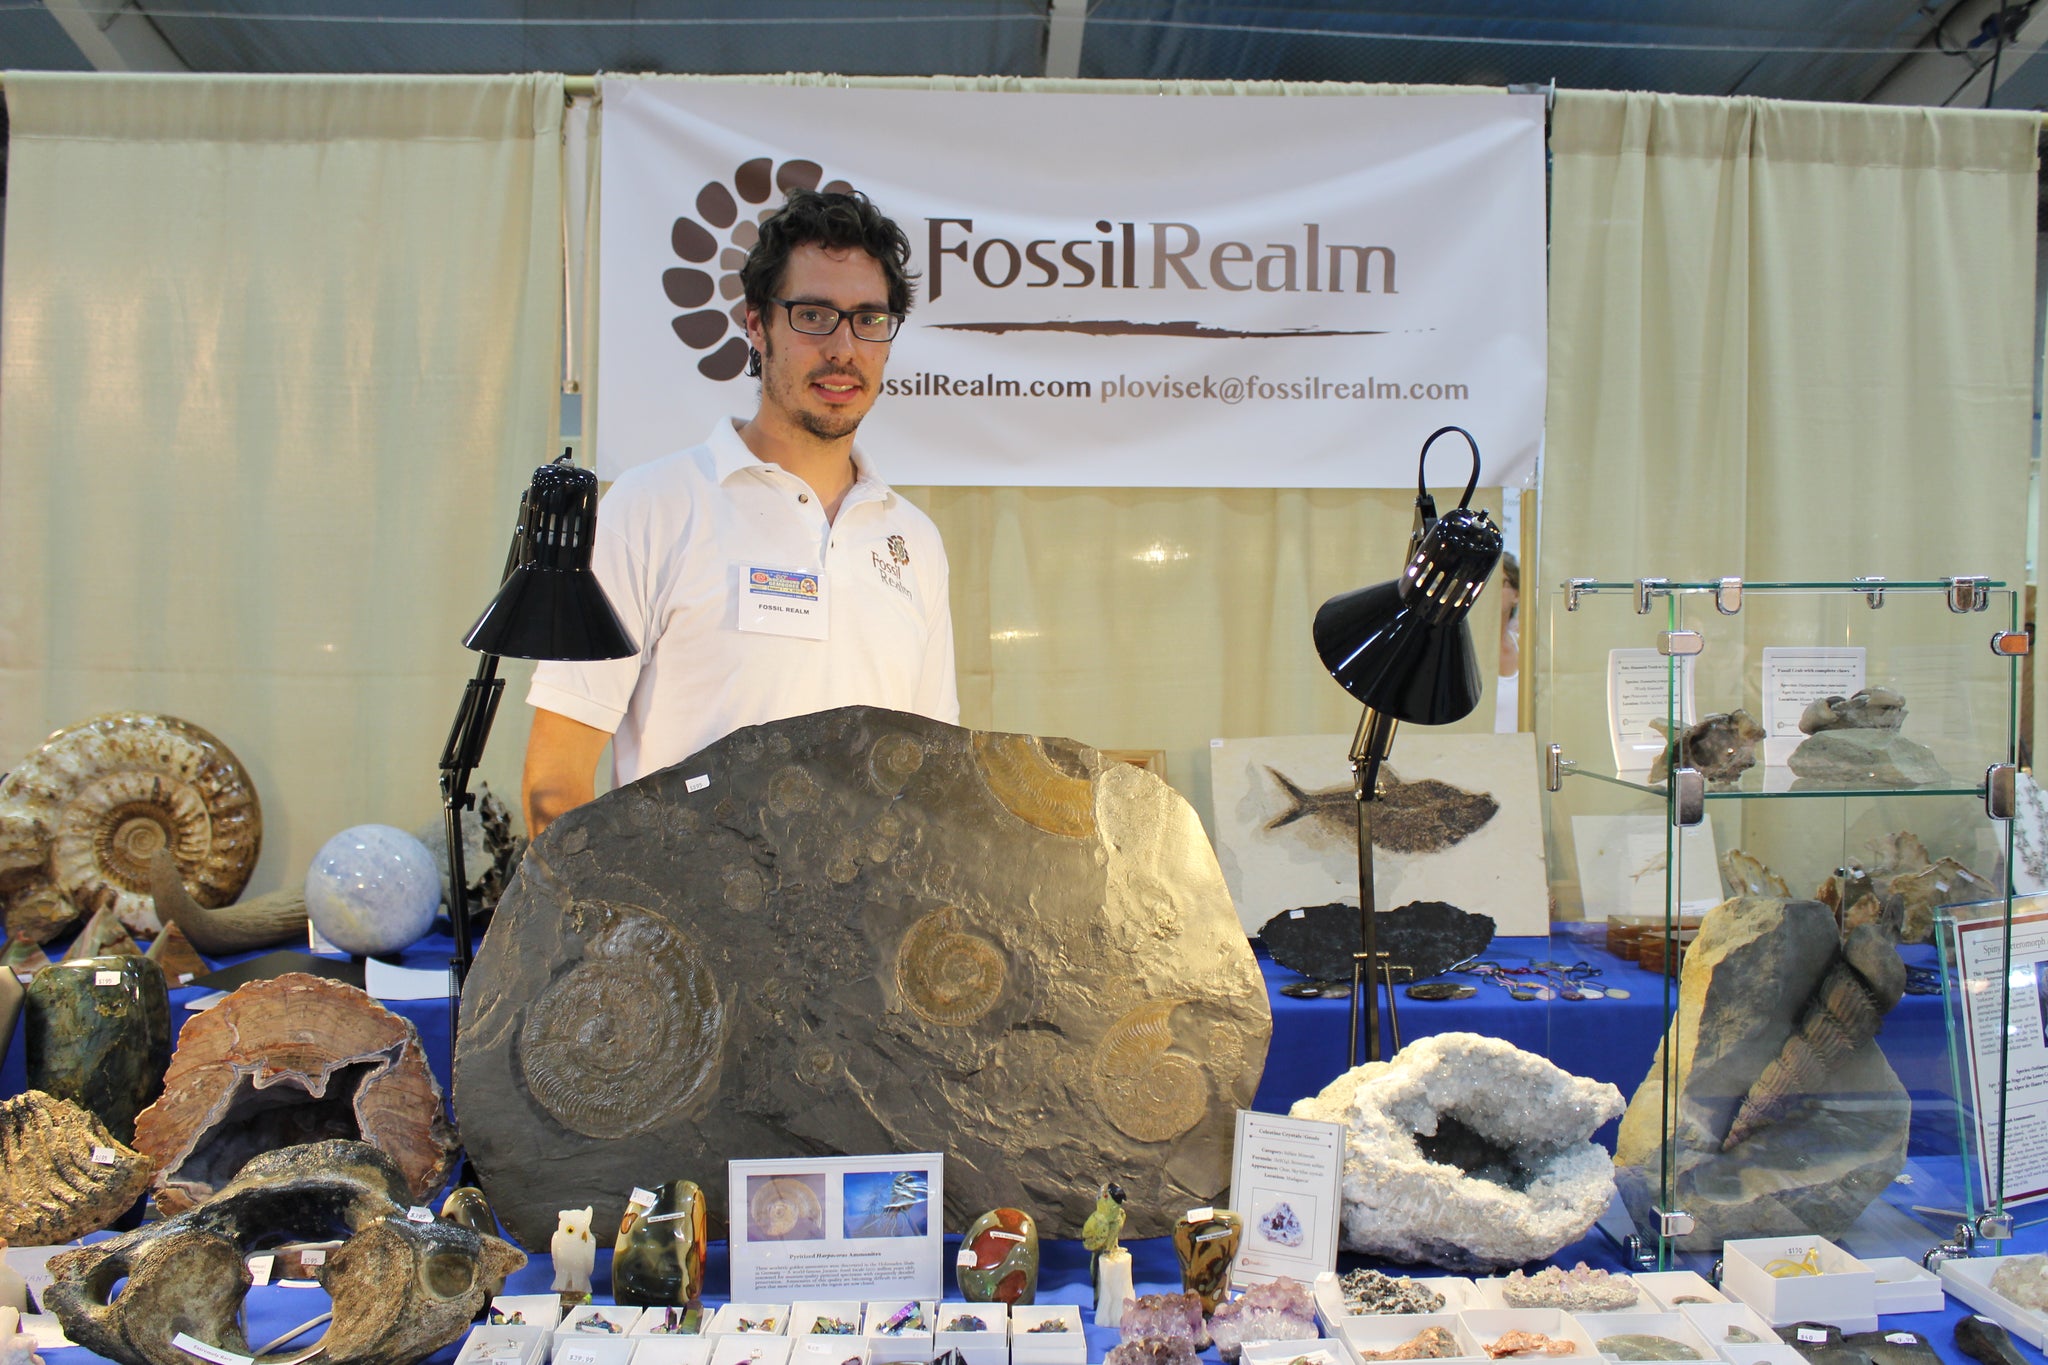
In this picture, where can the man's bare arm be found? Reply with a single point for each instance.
(561, 768)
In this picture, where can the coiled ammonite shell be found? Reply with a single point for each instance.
(946, 975)
(625, 1037)
(104, 796)
(1031, 788)
(1146, 1091)
(785, 1207)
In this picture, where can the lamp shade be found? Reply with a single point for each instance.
(551, 605)
(1403, 647)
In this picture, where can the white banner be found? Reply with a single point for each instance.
(1194, 291)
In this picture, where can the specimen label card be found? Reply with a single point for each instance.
(1796, 675)
(2013, 1099)
(1637, 688)
(865, 1227)
(1286, 1179)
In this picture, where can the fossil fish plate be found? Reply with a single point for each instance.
(865, 931)
(81, 817)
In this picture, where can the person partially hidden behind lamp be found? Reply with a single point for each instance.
(768, 572)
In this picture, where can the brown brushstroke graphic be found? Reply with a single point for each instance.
(1116, 327)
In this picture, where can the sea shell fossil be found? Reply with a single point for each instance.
(948, 976)
(51, 1189)
(1031, 787)
(258, 922)
(1148, 1092)
(1845, 1011)
(627, 1036)
(781, 1206)
(85, 813)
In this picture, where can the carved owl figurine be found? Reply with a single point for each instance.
(573, 1250)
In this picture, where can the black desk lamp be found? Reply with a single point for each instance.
(1404, 649)
(550, 606)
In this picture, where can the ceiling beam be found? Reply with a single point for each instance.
(115, 35)
(1064, 23)
(1932, 76)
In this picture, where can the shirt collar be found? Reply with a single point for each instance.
(729, 455)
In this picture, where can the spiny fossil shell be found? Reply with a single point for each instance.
(1145, 1090)
(100, 798)
(51, 1190)
(947, 975)
(1025, 780)
(622, 1040)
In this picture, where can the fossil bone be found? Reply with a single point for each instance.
(259, 922)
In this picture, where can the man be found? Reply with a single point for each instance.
(767, 572)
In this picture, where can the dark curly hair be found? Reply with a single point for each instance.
(834, 219)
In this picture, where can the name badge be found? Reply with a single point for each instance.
(782, 602)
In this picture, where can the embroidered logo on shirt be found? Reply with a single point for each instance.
(898, 551)
(891, 570)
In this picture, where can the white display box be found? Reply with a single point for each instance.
(1280, 1352)
(1666, 1287)
(1969, 1279)
(1488, 1325)
(1671, 1325)
(1490, 1292)
(1712, 1321)
(598, 1350)
(513, 1345)
(988, 1347)
(803, 1318)
(831, 1349)
(1382, 1332)
(672, 1350)
(1331, 1313)
(669, 1322)
(1770, 1353)
(750, 1348)
(595, 1322)
(1843, 1294)
(1906, 1286)
(1067, 1346)
(527, 1310)
(761, 1319)
(889, 1348)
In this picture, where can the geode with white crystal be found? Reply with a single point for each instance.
(1468, 1153)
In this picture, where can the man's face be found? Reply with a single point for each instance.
(823, 384)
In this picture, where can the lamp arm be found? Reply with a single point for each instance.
(467, 737)
(1422, 462)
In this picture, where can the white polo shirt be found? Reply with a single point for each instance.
(675, 538)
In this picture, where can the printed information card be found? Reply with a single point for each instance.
(1286, 1180)
(2016, 1099)
(853, 1227)
(1638, 681)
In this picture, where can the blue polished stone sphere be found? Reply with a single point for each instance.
(372, 889)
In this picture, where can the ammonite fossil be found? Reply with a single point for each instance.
(1150, 1093)
(947, 975)
(785, 1208)
(1032, 788)
(85, 813)
(628, 1035)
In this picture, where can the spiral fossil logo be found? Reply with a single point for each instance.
(714, 242)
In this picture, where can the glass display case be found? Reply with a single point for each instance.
(1794, 802)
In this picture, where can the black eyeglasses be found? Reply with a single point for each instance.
(820, 320)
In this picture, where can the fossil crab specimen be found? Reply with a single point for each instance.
(401, 1289)
(81, 817)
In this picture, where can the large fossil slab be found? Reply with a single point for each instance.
(864, 931)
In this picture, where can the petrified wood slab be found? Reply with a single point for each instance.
(51, 1189)
(292, 1060)
(864, 931)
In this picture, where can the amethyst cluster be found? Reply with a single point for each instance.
(1279, 1310)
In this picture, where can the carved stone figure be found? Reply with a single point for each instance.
(574, 1251)
(326, 1060)
(1788, 1117)
(658, 1260)
(1468, 1153)
(52, 1190)
(865, 931)
(81, 817)
(401, 1290)
(98, 1033)
(1004, 1247)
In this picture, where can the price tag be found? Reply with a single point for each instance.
(24, 977)
(106, 979)
(103, 1156)
(1902, 1338)
(667, 1217)
(419, 1214)
(317, 1256)
(697, 783)
(1201, 1215)
(1002, 1236)
(965, 1259)
(195, 1347)
(1297, 914)
(1812, 1335)
(184, 978)
(643, 1198)
(260, 1268)
(576, 1355)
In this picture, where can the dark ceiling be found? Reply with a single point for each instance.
(1843, 50)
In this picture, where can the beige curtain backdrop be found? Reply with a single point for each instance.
(1787, 341)
(276, 357)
